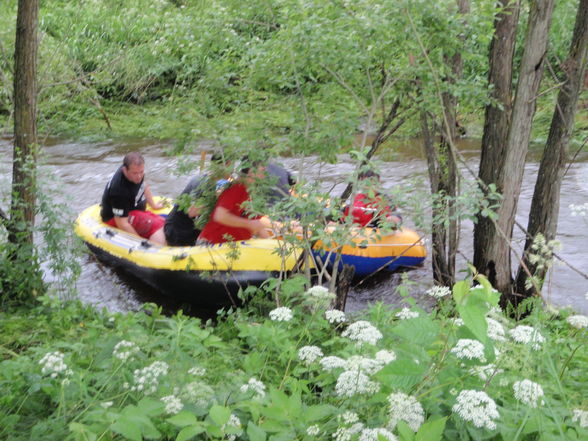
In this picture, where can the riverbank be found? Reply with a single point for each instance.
(300, 372)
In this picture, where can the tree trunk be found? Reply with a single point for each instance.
(545, 205)
(496, 124)
(510, 174)
(22, 212)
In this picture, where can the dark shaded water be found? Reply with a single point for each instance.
(84, 168)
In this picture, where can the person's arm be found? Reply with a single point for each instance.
(258, 227)
(123, 224)
(150, 200)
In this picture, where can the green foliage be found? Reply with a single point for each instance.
(146, 376)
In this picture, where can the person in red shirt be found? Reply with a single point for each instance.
(229, 220)
(369, 207)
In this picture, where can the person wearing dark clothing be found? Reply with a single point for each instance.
(180, 228)
(281, 181)
(125, 200)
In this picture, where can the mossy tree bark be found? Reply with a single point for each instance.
(543, 217)
(493, 244)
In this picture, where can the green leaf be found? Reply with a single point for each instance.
(319, 412)
(460, 291)
(473, 312)
(404, 431)
(127, 428)
(220, 414)
(150, 407)
(189, 432)
(183, 419)
(255, 433)
(432, 430)
(421, 331)
(82, 432)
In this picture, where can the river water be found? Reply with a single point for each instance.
(83, 168)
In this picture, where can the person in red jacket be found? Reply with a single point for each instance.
(369, 207)
(229, 220)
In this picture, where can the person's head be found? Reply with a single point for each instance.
(252, 170)
(134, 167)
(367, 174)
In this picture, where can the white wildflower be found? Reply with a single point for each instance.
(457, 322)
(406, 314)
(527, 335)
(363, 364)
(233, 422)
(495, 330)
(124, 350)
(172, 404)
(255, 386)
(376, 435)
(313, 430)
(53, 365)
(309, 354)
(320, 293)
(580, 416)
(354, 382)
(106, 404)
(384, 356)
(578, 321)
(197, 371)
(485, 372)
(405, 408)
(147, 379)
(469, 349)
(453, 391)
(349, 417)
(579, 209)
(281, 314)
(528, 392)
(198, 393)
(335, 316)
(476, 407)
(346, 433)
(331, 362)
(438, 292)
(362, 332)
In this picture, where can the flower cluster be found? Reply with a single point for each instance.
(172, 404)
(581, 417)
(578, 321)
(320, 293)
(313, 430)
(438, 292)
(405, 408)
(53, 365)
(376, 435)
(579, 210)
(281, 314)
(332, 362)
(198, 393)
(477, 407)
(485, 372)
(528, 392)
(406, 314)
(362, 332)
(309, 354)
(354, 382)
(469, 349)
(335, 316)
(124, 350)
(350, 427)
(233, 422)
(495, 330)
(147, 379)
(197, 371)
(527, 335)
(255, 386)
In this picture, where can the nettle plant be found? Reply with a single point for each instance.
(303, 371)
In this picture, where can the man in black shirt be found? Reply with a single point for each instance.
(125, 199)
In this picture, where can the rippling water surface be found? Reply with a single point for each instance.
(84, 168)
